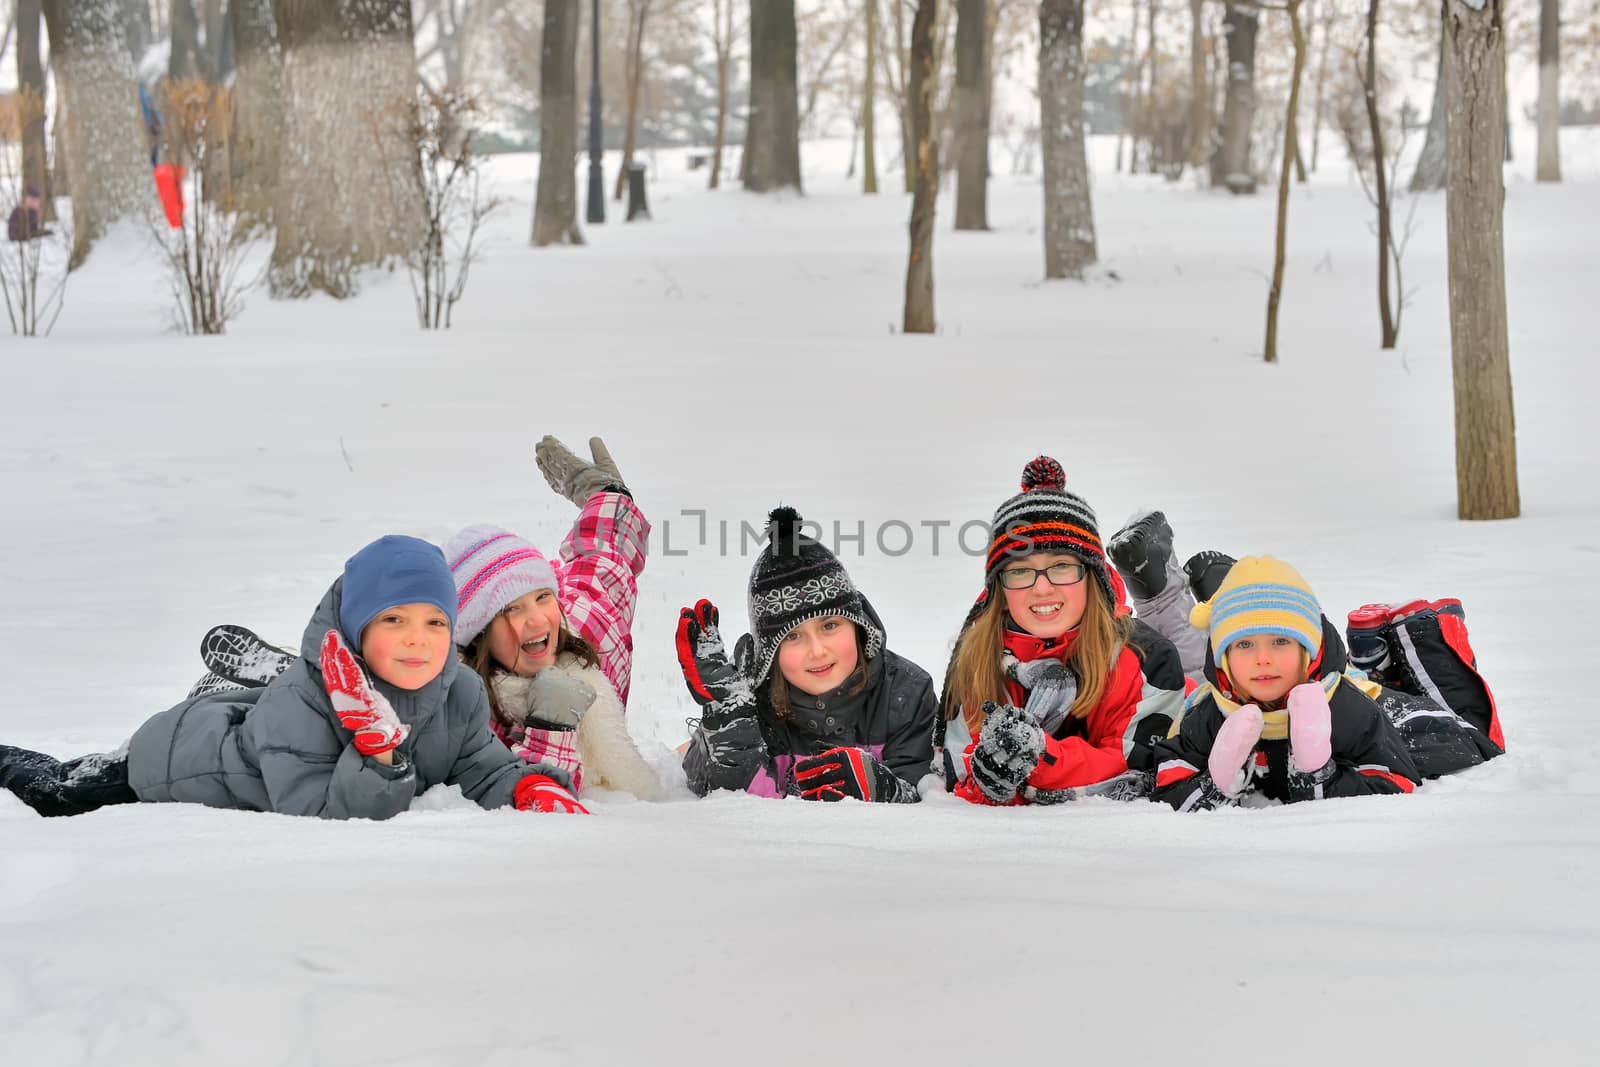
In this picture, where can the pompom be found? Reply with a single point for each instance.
(1200, 615)
(1043, 472)
(782, 522)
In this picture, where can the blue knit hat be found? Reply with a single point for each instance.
(394, 569)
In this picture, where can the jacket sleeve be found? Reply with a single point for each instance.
(1103, 750)
(302, 777)
(602, 559)
(485, 769)
(733, 757)
(1182, 779)
(1368, 753)
(908, 750)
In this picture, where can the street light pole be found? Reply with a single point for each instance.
(597, 183)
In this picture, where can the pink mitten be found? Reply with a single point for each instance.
(1310, 728)
(361, 709)
(1234, 743)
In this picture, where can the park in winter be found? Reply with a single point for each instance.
(799, 531)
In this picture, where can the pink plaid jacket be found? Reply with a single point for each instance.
(601, 560)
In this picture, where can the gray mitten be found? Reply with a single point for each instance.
(574, 478)
(1007, 751)
(557, 699)
(1051, 685)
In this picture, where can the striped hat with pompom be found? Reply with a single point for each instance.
(1261, 595)
(795, 579)
(1047, 517)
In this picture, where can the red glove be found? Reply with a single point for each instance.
(543, 793)
(361, 709)
(848, 772)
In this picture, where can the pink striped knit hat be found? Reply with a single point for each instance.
(492, 567)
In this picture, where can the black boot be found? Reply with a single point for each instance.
(1141, 551)
(240, 656)
(1206, 571)
(53, 788)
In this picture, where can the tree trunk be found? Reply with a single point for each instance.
(1290, 137)
(869, 105)
(555, 210)
(972, 135)
(31, 97)
(1128, 107)
(1486, 440)
(1230, 166)
(923, 82)
(1322, 82)
(638, 11)
(1069, 245)
(724, 49)
(136, 29)
(185, 59)
(772, 134)
(1199, 99)
(1380, 173)
(908, 150)
(104, 142)
(343, 64)
(258, 106)
(1152, 63)
(1430, 171)
(1549, 165)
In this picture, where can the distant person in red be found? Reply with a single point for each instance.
(25, 222)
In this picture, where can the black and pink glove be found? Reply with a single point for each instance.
(361, 709)
(849, 772)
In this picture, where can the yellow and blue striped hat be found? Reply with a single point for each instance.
(1261, 595)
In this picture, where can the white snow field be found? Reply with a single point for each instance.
(738, 352)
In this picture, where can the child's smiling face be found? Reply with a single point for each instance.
(407, 645)
(1264, 667)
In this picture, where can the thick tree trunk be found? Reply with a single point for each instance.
(869, 105)
(1548, 168)
(923, 82)
(772, 135)
(639, 11)
(972, 133)
(1069, 245)
(32, 98)
(344, 64)
(1486, 439)
(1380, 176)
(1430, 171)
(555, 210)
(104, 140)
(1230, 165)
(257, 105)
(1199, 98)
(136, 30)
(1290, 137)
(185, 59)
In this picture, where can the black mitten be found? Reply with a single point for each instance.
(1008, 749)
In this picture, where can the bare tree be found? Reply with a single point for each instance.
(869, 104)
(1369, 86)
(1430, 170)
(1548, 168)
(638, 15)
(258, 107)
(972, 129)
(103, 137)
(772, 137)
(31, 108)
(924, 77)
(1199, 98)
(1486, 438)
(1230, 165)
(1069, 242)
(555, 208)
(722, 46)
(1290, 138)
(1317, 110)
(338, 58)
(33, 261)
(1130, 104)
(186, 59)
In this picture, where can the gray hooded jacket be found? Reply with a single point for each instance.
(282, 748)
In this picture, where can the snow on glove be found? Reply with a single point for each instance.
(1310, 728)
(1236, 740)
(574, 478)
(716, 685)
(361, 709)
(1052, 687)
(846, 772)
(1007, 751)
(540, 792)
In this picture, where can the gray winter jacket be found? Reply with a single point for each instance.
(281, 748)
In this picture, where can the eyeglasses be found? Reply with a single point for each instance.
(1056, 573)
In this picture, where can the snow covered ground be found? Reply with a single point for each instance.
(737, 352)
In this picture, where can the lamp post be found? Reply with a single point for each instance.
(597, 183)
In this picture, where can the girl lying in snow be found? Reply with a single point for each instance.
(816, 705)
(554, 648)
(374, 712)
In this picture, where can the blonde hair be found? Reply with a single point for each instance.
(977, 674)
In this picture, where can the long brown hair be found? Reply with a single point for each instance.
(476, 655)
(976, 672)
